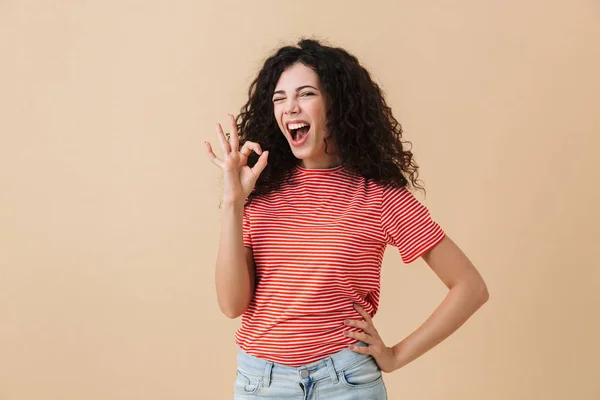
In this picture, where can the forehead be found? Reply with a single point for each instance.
(297, 75)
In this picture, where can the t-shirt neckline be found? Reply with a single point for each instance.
(319, 171)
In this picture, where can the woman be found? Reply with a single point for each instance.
(305, 228)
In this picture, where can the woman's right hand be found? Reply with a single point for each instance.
(239, 178)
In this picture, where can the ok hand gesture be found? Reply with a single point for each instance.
(239, 177)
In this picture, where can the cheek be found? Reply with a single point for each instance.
(317, 112)
(277, 116)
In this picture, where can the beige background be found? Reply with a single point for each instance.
(109, 214)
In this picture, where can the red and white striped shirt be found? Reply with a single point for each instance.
(318, 243)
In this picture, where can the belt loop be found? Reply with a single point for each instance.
(268, 369)
(332, 371)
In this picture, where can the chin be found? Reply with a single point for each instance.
(302, 154)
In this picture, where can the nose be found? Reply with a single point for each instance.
(291, 107)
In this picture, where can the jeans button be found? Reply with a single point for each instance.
(304, 374)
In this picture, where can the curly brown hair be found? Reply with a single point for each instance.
(368, 137)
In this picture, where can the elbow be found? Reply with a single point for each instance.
(475, 290)
(231, 315)
(478, 289)
(232, 303)
(232, 312)
(483, 295)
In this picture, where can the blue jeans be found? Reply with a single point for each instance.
(344, 375)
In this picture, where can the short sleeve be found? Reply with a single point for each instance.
(407, 224)
(246, 227)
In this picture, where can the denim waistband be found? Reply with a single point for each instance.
(324, 368)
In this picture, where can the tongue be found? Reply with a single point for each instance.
(302, 132)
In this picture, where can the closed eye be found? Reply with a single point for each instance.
(305, 94)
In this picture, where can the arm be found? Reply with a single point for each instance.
(468, 292)
(234, 273)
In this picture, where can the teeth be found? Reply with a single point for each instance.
(297, 126)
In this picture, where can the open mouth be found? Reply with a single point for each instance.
(299, 131)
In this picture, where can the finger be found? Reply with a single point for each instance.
(224, 143)
(362, 312)
(260, 165)
(363, 337)
(235, 140)
(215, 160)
(360, 349)
(365, 326)
(358, 324)
(247, 148)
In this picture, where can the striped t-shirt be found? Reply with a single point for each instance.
(318, 244)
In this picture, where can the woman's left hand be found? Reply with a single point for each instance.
(383, 355)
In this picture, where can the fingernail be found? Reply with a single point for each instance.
(351, 347)
(346, 321)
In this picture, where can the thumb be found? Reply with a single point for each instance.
(260, 164)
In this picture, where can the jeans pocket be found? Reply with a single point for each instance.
(364, 374)
(246, 383)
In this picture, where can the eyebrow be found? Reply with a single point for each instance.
(297, 89)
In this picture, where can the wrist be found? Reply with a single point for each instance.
(233, 204)
(399, 356)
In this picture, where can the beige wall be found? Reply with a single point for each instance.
(108, 204)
